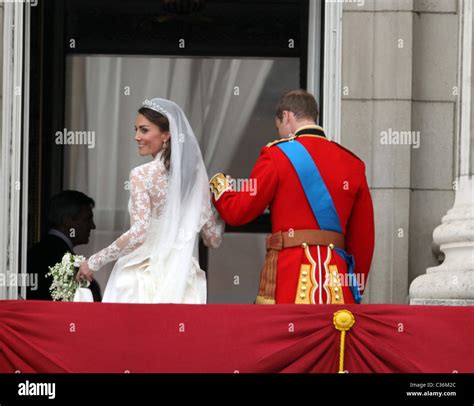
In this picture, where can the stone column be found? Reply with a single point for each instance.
(377, 97)
(452, 282)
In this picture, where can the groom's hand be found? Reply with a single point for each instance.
(84, 272)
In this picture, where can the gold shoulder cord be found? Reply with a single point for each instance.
(271, 144)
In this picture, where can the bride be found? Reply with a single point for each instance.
(169, 205)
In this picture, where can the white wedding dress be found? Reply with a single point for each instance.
(133, 278)
(156, 257)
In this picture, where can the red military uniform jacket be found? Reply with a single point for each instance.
(278, 187)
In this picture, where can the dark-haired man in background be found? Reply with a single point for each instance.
(71, 221)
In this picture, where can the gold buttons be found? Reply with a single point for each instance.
(337, 294)
(331, 246)
(305, 285)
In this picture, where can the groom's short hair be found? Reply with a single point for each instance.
(301, 103)
(67, 203)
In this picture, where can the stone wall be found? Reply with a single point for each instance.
(399, 74)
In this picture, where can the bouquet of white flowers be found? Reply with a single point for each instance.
(64, 284)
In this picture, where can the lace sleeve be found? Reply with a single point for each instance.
(140, 213)
(213, 229)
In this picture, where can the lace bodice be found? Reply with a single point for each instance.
(148, 188)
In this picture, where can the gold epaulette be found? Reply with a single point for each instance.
(271, 144)
(347, 150)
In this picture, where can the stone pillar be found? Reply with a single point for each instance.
(376, 92)
(452, 282)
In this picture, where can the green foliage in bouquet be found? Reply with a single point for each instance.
(64, 283)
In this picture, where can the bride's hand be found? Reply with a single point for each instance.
(84, 272)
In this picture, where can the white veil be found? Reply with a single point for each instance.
(184, 214)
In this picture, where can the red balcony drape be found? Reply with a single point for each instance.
(38, 336)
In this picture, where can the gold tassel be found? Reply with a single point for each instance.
(343, 320)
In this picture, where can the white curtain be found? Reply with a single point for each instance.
(104, 94)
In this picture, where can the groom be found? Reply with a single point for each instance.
(321, 211)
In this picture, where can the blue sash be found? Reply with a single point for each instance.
(320, 201)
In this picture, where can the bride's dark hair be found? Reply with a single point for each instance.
(163, 124)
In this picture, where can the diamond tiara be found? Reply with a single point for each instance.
(153, 106)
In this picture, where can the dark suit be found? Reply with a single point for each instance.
(48, 252)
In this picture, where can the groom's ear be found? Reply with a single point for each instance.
(285, 116)
(290, 116)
